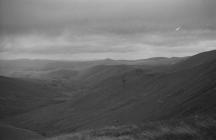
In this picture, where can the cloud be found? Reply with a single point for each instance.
(63, 44)
(119, 16)
(105, 28)
(96, 46)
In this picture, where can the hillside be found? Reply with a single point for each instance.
(131, 97)
(12, 133)
(199, 59)
(189, 128)
(41, 69)
(22, 95)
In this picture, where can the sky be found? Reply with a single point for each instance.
(98, 29)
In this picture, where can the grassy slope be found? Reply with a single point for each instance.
(146, 95)
(19, 96)
(190, 128)
(12, 133)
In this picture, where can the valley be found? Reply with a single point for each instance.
(54, 98)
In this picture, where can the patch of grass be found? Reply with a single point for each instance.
(193, 128)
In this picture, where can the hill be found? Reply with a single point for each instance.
(22, 95)
(131, 97)
(189, 128)
(12, 133)
(26, 68)
(199, 59)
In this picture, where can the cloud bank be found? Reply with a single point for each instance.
(96, 29)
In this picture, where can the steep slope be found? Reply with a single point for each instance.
(97, 74)
(188, 128)
(19, 95)
(196, 60)
(12, 133)
(133, 97)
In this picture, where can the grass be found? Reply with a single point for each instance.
(192, 128)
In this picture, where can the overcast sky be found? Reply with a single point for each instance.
(97, 29)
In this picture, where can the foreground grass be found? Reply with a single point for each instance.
(193, 128)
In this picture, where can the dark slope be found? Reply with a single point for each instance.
(196, 60)
(19, 95)
(97, 74)
(135, 96)
(12, 133)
